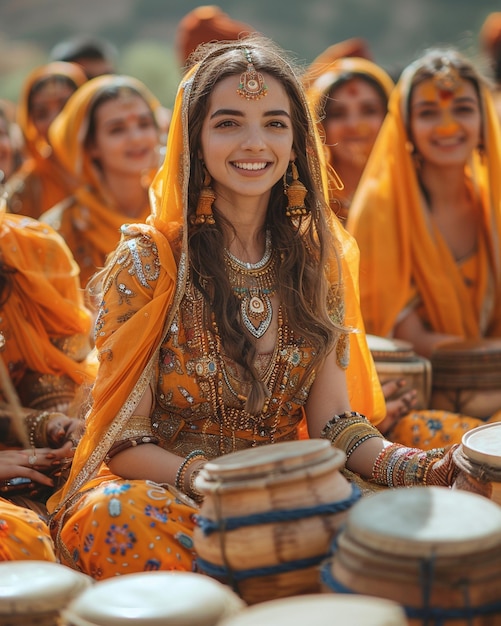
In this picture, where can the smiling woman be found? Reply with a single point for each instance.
(224, 324)
(107, 138)
(427, 220)
(435, 205)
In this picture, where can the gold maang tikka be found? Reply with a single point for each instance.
(447, 78)
(252, 85)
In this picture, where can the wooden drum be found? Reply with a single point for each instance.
(467, 377)
(34, 593)
(436, 551)
(154, 599)
(396, 359)
(269, 515)
(323, 610)
(479, 458)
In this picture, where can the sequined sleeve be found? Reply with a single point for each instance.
(337, 314)
(128, 284)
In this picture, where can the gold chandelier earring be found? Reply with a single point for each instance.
(206, 199)
(296, 193)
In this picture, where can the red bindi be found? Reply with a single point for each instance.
(445, 95)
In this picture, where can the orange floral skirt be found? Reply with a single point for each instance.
(431, 428)
(122, 526)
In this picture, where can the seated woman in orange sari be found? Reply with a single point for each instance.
(107, 139)
(426, 212)
(44, 347)
(222, 323)
(41, 182)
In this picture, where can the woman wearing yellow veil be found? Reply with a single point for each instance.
(350, 98)
(426, 217)
(107, 139)
(40, 181)
(222, 324)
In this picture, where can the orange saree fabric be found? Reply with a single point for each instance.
(23, 535)
(45, 305)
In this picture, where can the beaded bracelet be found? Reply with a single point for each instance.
(181, 472)
(36, 425)
(120, 446)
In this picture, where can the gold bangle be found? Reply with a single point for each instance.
(181, 472)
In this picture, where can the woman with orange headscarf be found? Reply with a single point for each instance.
(107, 139)
(426, 216)
(350, 97)
(41, 182)
(44, 344)
(222, 322)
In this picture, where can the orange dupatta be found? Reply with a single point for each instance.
(46, 301)
(400, 249)
(126, 365)
(55, 184)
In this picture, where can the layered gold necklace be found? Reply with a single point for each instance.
(254, 284)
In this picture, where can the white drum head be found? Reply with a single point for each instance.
(425, 521)
(322, 610)
(154, 599)
(31, 587)
(483, 444)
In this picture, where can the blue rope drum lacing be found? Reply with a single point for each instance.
(427, 614)
(223, 525)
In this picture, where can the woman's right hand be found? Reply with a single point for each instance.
(33, 463)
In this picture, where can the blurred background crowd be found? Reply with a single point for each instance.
(143, 32)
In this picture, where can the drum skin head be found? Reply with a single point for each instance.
(158, 598)
(324, 610)
(483, 444)
(31, 587)
(425, 522)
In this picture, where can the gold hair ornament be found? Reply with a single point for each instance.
(447, 77)
(252, 85)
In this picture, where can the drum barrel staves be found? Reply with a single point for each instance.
(269, 515)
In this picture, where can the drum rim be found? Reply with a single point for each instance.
(247, 464)
(227, 484)
(475, 454)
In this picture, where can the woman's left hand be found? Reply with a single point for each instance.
(61, 428)
(396, 407)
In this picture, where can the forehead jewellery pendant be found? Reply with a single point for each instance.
(447, 79)
(252, 85)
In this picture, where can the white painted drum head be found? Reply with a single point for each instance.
(383, 348)
(37, 587)
(483, 444)
(322, 610)
(425, 521)
(154, 598)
